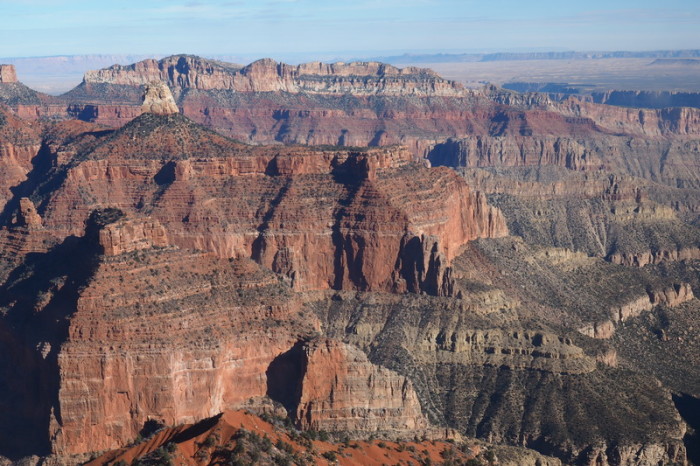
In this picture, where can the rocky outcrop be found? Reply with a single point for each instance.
(641, 259)
(8, 74)
(341, 391)
(670, 296)
(515, 349)
(677, 294)
(128, 236)
(632, 455)
(28, 216)
(158, 99)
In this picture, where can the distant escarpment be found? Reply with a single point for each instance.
(634, 201)
(541, 92)
(663, 161)
(350, 104)
(647, 99)
(190, 72)
(610, 119)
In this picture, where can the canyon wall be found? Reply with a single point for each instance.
(369, 220)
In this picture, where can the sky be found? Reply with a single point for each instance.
(285, 28)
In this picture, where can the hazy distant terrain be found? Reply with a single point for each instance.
(590, 74)
(59, 74)
(586, 71)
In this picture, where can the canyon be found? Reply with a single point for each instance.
(359, 249)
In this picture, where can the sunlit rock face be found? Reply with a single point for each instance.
(158, 99)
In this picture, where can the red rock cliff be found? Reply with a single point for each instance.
(164, 334)
(325, 218)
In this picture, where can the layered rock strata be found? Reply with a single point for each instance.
(369, 220)
(140, 343)
(19, 144)
(28, 216)
(106, 329)
(519, 385)
(670, 296)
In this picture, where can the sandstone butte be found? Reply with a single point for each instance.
(162, 272)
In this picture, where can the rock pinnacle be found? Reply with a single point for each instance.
(158, 99)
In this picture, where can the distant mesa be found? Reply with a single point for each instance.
(267, 75)
(8, 74)
(158, 99)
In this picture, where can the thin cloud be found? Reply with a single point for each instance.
(637, 15)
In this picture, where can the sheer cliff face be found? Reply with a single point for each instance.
(339, 389)
(131, 329)
(19, 143)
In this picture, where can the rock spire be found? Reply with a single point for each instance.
(158, 99)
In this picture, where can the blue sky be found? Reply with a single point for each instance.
(280, 28)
